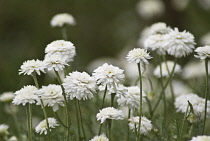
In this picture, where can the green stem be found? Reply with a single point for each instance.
(128, 131)
(42, 103)
(140, 108)
(183, 123)
(68, 121)
(109, 121)
(99, 132)
(206, 95)
(64, 33)
(162, 91)
(56, 115)
(29, 116)
(112, 100)
(77, 116)
(104, 97)
(80, 115)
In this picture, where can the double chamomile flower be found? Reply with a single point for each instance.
(203, 52)
(100, 138)
(62, 19)
(79, 85)
(201, 138)
(7, 97)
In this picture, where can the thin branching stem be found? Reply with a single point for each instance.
(128, 130)
(77, 116)
(102, 106)
(81, 120)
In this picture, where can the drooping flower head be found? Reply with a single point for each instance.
(168, 66)
(100, 138)
(7, 97)
(65, 49)
(109, 113)
(131, 98)
(201, 138)
(62, 19)
(42, 126)
(203, 52)
(146, 125)
(198, 103)
(51, 96)
(31, 66)
(28, 94)
(79, 85)
(110, 76)
(55, 62)
(179, 44)
(138, 55)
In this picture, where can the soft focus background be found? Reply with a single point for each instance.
(105, 28)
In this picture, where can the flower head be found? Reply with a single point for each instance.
(31, 66)
(138, 55)
(42, 126)
(26, 95)
(100, 138)
(62, 19)
(159, 28)
(63, 48)
(79, 85)
(108, 76)
(179, 44)
(4, 130)
(198, 103)
(55, 62)
(150, 8)
(7, 96)
(109, 113)
(168, 66)
(203, 52)
(131, 98)
(201, 138)
(51, 96)
(146, 125)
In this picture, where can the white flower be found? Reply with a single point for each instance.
(4, 130)
(201, 138)
(168, 66)
(110, 76)
(198, 103)
(179, 44)
(62, 19)
(31, 66)
(146, 125)
(51, 96)
(150, 8)
(7, 96)
(100, 138)
(138, 55)
(203, 52)
(205, 39)
(159, 28)
(109, 113)
(26, 95)
(63, 48)
(79, 85)
(13, 138)
(42, 126)
(55, 62)
(131, 98)
(156, 42)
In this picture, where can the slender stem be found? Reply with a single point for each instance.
(140, 108)
(42, 103)
(206, 95)
(80, 114)
(104, 97)
(109, 122)
(171, 86)
(99, 132)
(68, 121)
(29, 116)
(56, 115)
(165, 86)
(64, 33)
(128, 131)
(183, 123)
(149, 106)
(112, 100)
(77, 116)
